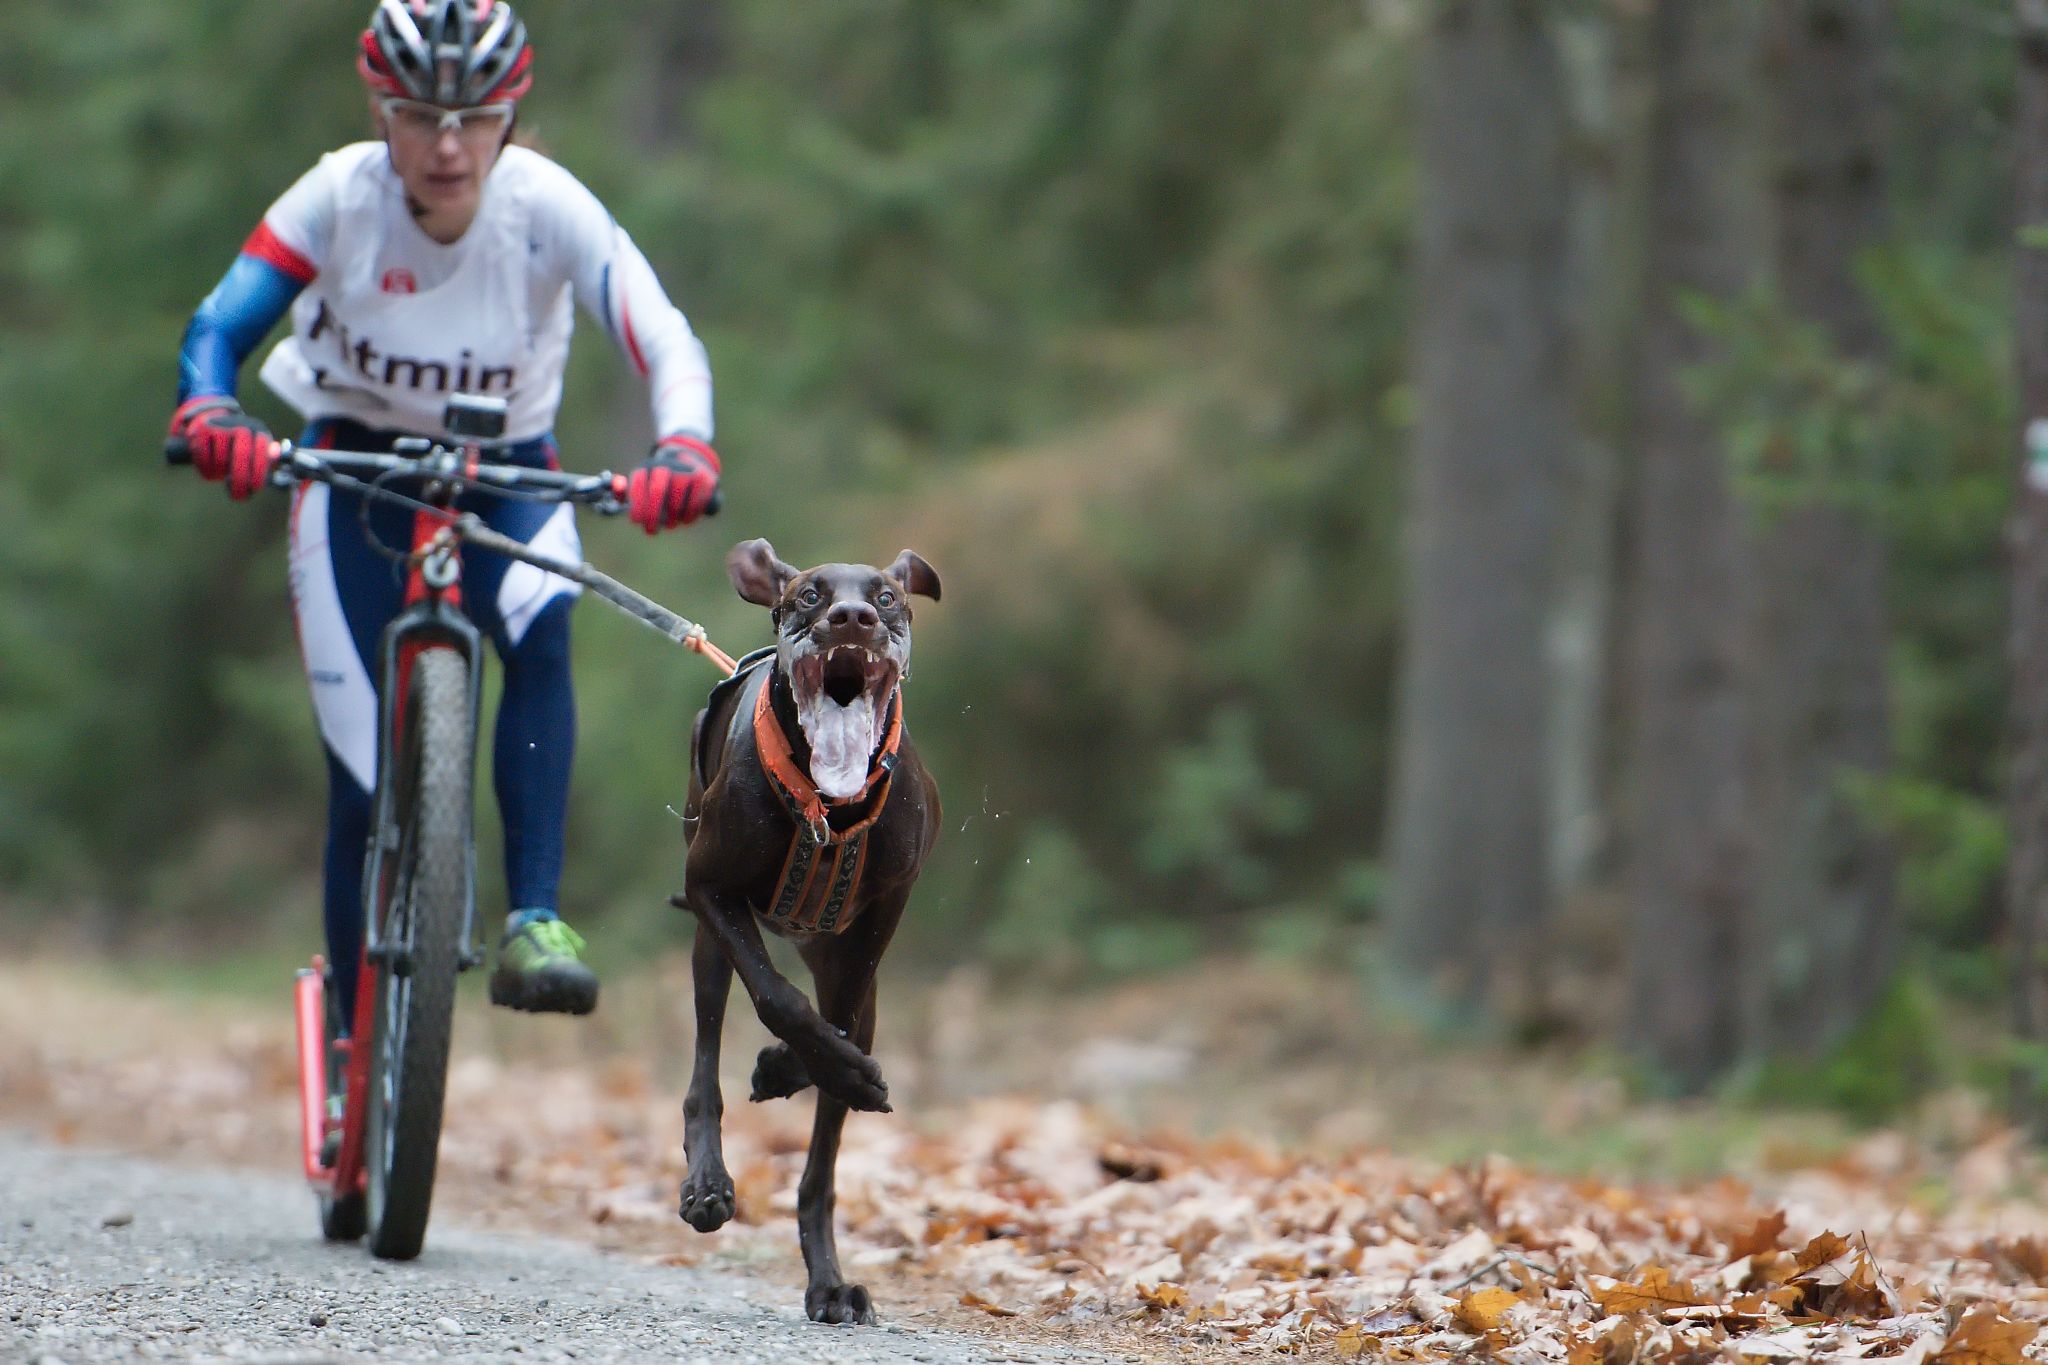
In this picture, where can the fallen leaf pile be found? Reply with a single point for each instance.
(1021, 1213)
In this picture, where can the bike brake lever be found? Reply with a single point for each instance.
(612, 501)
(287, 470)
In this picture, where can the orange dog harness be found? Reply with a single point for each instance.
(830, 846)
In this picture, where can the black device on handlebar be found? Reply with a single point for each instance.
(475, 417)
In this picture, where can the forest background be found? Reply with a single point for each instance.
(1406, 506)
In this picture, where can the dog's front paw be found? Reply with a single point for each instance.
(707, 1201)
(839, 1303)
(840, 1069)
(778, 1073)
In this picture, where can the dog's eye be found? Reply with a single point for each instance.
(885, 599)
(807, 598)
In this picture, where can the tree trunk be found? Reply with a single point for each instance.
(2027, 876)
(1469, 838)
(1823, 924)
(1602, 289)
(1690, 854)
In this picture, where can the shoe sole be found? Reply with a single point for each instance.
(543, 995)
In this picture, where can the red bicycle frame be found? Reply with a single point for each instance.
(432, 620)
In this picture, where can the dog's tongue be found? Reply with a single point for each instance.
(842, 740)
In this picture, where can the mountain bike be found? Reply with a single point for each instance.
(370, 1095)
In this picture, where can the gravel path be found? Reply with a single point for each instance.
(106, 1258)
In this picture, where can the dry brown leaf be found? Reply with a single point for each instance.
(1350, 1343)
(1280, 1266)
(1615, 1346)
(1196, 1239)
(1484, 1310)
(1691, 1348)
(1849, 1287)
(1393, 1320)
(1821, 1250)
(1785, 1297)
(1868, 1291)
(1987, 1337)
(1768, 1269)
(1761, 1238)
(970, 1299)
(1653, 1291)
(1162, 1296)
(1754, 1305)
(2024, 1257)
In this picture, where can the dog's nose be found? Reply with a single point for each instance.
(853, 614)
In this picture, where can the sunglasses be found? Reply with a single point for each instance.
(426, 122)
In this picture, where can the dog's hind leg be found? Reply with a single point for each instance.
(707, 1195)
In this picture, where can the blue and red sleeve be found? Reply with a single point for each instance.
(239, 313)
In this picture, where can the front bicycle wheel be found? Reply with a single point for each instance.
(415, 1000)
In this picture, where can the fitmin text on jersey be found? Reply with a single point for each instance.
(361, 355)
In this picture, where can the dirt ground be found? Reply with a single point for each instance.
(1239, 1158)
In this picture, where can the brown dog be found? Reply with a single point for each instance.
(808, 812)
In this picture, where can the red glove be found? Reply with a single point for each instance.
(226, 443)
(673, 486)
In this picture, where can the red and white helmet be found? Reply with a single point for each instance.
(447, 52)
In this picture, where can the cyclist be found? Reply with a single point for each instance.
(442, 258)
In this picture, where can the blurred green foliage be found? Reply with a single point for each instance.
(1895, 1057)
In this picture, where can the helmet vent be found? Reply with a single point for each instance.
(454, 52)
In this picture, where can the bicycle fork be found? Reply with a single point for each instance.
(431, 623)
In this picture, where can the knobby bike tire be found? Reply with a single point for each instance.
(415, 1011)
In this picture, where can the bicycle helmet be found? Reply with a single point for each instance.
(447, 52)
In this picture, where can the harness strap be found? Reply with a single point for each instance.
(794, 785)
(817, 881)
(824, 863)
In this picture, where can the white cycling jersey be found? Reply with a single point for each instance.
(391, 322)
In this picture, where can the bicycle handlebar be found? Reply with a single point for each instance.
(605, 492)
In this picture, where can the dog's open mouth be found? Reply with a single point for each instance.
(842, 699)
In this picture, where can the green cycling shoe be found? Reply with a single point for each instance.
(540, 970)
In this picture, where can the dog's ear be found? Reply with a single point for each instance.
(915, 575)
(757, 574)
